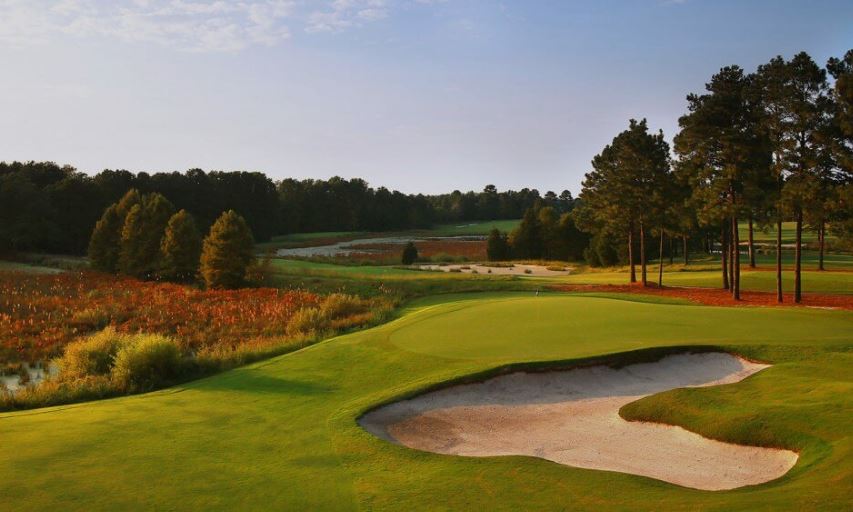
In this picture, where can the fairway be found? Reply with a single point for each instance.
(282, 434)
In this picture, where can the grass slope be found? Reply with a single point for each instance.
(281, 435)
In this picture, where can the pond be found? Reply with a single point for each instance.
(367, 245)
(37, 373)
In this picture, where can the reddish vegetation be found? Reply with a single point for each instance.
(720, 297)
(39, 314)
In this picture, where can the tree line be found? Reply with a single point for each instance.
(144, 236)
(544, 233)
(762, 147)
(51, 208)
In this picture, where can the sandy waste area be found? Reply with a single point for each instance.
(571, 417)
(515, 270)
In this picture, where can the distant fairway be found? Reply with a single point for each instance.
(753, 280)
(282, 434)
(701, 274)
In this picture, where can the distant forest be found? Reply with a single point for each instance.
(52, 208)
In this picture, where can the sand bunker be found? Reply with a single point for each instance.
(572, 417)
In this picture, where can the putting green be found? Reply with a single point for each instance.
(282, 434)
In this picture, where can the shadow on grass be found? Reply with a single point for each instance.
(254, 381)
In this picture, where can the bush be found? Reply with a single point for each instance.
(341, 305)
(91, 356)
(92, 319)
(146, 362)
(306, 321)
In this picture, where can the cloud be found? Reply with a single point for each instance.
(342, 14)
(189, 25)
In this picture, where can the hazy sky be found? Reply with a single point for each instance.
(417, 95)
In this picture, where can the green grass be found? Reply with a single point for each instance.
(460, 228)
(831, 260)
(26, 267)
(367, 279)
(372, 280)
(282, 434)
(752, 280)
(472, 227)
(768, 235)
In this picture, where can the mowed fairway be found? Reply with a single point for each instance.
(282, 434)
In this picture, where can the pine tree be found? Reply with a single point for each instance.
(104, 244)
(410, 254)
(141, 235)
(722, 148)
(624, 193)
(131, 198)
(180, 249)
(497, 246)
(796, 104)
(227, 252)
(526, 240)
(549, 232)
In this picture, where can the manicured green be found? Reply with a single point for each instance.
(282, 434)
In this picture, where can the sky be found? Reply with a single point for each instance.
(415, 95)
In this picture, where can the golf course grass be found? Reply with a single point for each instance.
(698, 274)
(282, 434)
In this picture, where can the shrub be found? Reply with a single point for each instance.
(410, 254)
(92, 355)
(146, 361)
(93, 319)
(340, 305)
(307, 320)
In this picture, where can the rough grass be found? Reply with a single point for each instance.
(282, 434)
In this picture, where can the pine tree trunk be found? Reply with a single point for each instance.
(779, 259)
(751, 244)
(731, 258)
(798, 257)
(660, 261)
(724, 255)
(822, 240)
(643, 254)
(735, 259)
(671, 250)
(684, 248)
(631, 253)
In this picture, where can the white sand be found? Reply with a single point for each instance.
(571, 417)
(515, 270)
